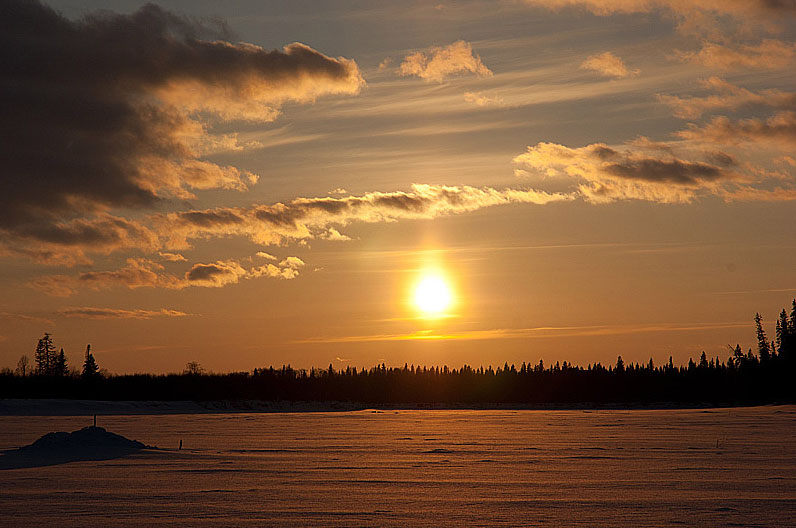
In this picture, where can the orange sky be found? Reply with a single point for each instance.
(259, 183)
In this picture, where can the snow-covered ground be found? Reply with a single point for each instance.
(635, 468)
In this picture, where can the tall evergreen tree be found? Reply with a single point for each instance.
(738, 355)
(60, 368)
(703, 360)
(763, 348)
(788, 340)
(45, 356)
(783, 329)
(90, 368)
(793, 318)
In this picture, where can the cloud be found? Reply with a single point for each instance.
(778, 131)
(171, 257)
(114, 111)
(740, 8)
(25, 317)
(112, 313)
(728, 97)
(52, 241)
(439, 63)
(292, 263)
(544, 332)
(385, 64)
(309, 218)
(334, 235)
(298, 220)
(604, 174)
(481, 99)
(144, 273)
(215, 275)
(608, 65)
(768, 54)
(722, 25)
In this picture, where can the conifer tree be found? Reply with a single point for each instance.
(90, 368)
(60, 368)
(793, 318)
(45, 356)
(783, 330)
(703, 360)
(763, 348)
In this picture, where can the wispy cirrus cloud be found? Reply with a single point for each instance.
(767, 54)
(777, 131)
(723, 27)
(726, 96)
(440, 63)
(542, 332)
(690, 15)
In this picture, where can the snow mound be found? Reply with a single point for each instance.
(89, 443)
(88, 439)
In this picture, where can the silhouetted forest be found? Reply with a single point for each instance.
(765, 375)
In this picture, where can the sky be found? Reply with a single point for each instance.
(255, 183)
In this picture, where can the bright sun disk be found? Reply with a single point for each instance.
(432, 295)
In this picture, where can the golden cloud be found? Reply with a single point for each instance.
(604, 174)
(307, 218)
(440, 63)
(608, 65)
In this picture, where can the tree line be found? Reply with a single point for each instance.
(764, 375)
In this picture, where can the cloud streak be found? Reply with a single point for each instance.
(777, 131)
(723, 27)
(145, 273)
(767, 54)
(114, 313)
(544, 332)
(308, 218)
(728, 96)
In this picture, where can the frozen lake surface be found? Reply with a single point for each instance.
(634, 468)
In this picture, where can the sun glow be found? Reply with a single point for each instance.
(432, 296)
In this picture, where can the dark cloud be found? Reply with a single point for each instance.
(144, 273)
(105, 112)
(642, 171)
(672, 171)
(115, 313)
(219, 273)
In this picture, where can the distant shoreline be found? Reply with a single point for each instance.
(63, 407)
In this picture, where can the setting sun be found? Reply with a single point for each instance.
(432, 296)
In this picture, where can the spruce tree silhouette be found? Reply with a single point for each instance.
(90, 367)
